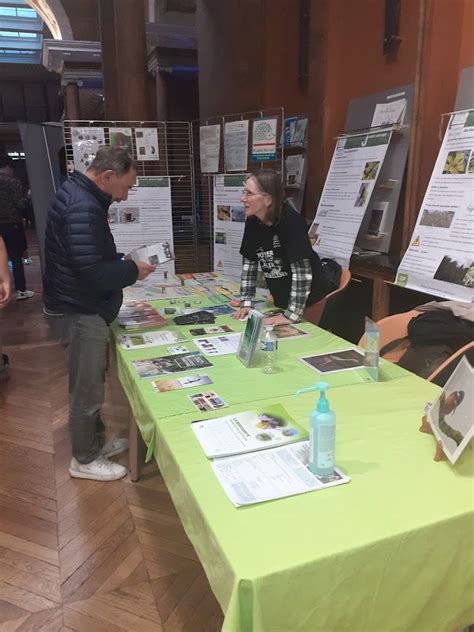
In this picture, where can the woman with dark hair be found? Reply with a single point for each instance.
(276, 239)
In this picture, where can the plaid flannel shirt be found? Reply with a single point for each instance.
(301, 278)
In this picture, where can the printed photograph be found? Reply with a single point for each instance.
(363, 195)
(370, 170)
(163, 386)
(121, 138)
(223, 213)
(337, 361)
(237, 213)
(129, 215)
(459, 271)
(456, 162)
(375, 221)
(452, 415)
(220, 238)
(171, 364)
(439, 219)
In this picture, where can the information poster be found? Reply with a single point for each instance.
(236, 138)
(264, 134)
(85, 143)
(352, 175)
(209, 146)
(229, 224)
(145, 218)
(146, 143)
(440, 257)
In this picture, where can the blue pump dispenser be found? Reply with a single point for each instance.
(322, 433)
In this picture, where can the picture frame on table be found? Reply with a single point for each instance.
(248, 346)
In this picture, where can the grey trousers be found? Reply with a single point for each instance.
(85, 338)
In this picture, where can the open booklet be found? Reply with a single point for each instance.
(260, 476)
(247, 431)
(154, 255)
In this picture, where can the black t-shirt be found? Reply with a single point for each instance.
(276, 248)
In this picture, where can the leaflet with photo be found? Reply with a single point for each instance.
(171, 364)
(219, 345)
(211, 329)
(247, 431)
(163, 386)
(150, 339)
(155, 254)
(254, 478)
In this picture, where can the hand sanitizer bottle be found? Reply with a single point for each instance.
(322, 433)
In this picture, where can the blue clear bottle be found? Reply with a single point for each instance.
(322, 433)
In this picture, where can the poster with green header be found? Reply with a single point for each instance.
(352, 176)
(440, 257)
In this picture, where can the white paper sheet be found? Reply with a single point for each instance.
(209, 147)
(236, 138)
(218, 345)
(276, 473)
(146, 143)
(389, 113)
(85, 143)
(150, 339)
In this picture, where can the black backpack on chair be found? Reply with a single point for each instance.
(332, 272)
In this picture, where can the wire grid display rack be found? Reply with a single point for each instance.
(204, 182)
(176, 160)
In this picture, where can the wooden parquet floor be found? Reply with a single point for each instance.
(76, 554)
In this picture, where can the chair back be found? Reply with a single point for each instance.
(442, 374)
(314, 313)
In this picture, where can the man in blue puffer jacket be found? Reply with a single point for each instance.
(83, 281)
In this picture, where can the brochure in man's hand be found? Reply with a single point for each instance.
(156, 254)
(247, 432)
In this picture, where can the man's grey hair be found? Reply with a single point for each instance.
(113, 159)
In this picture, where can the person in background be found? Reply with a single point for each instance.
(12, 202)
(276, 239)
(83, 281)
(5, 294)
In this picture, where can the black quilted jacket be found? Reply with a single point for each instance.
(83, 272)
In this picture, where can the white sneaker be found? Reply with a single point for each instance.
(20, 296)
(114, 447)
(99, 470)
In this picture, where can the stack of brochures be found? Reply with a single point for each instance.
(260, 456)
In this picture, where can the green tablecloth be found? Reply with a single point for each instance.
(393, 550)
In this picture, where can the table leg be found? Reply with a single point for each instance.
(137, 450)
(380, 299)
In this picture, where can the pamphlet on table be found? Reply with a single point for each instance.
(171, 364)
(219, 345)
(163, 386)
(150, 339)
(271, 474)
(247, 431)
